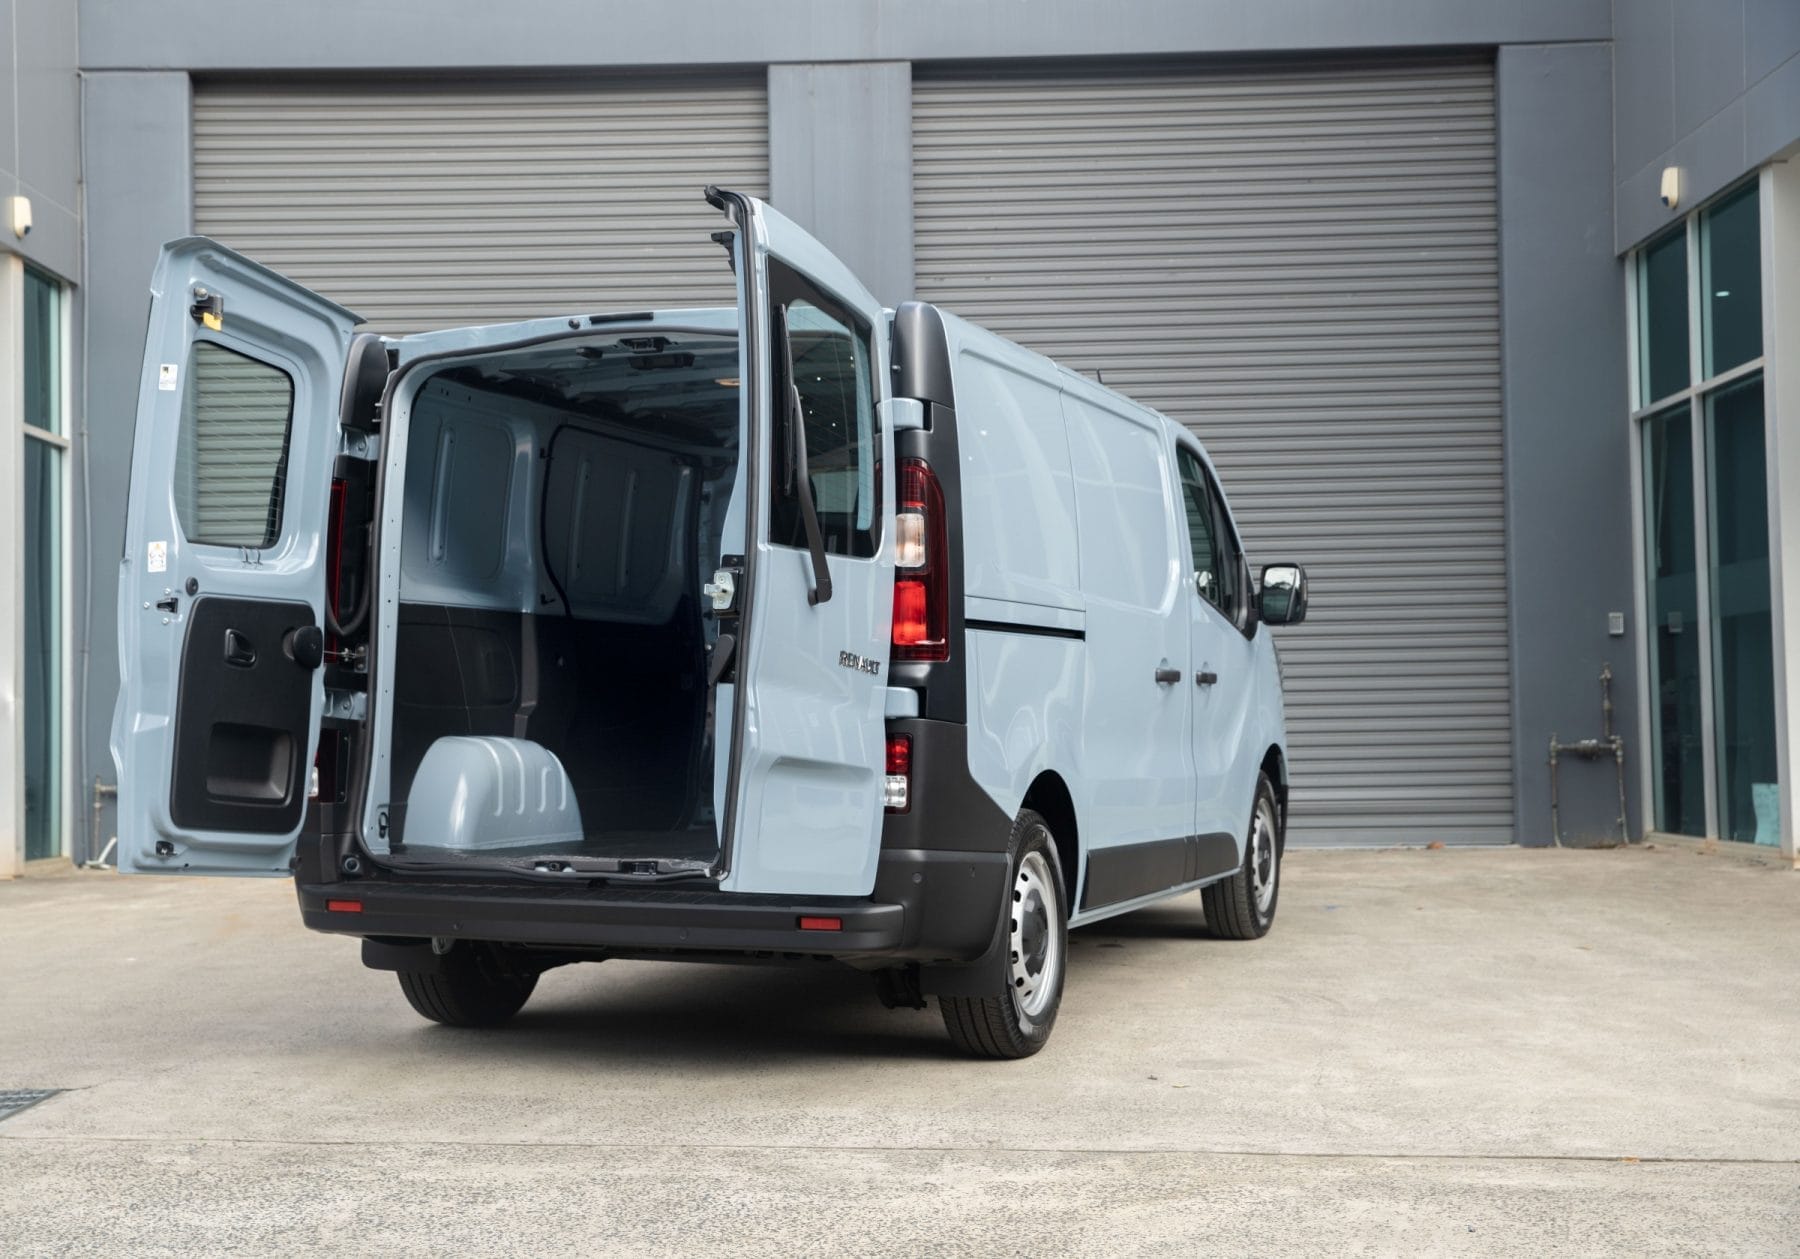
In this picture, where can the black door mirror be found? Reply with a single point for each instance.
(1282, 600)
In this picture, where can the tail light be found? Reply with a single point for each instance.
(921, 567)
(896, 792)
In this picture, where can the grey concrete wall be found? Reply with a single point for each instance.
(135, 135)
(40, 130)
(840, 164)
(1710, 86)
(1568, 489)
(374, 34)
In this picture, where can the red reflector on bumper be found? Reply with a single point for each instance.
(821, 924)
(344, 907)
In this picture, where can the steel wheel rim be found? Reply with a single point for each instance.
(1265, 869)
(1035, 938)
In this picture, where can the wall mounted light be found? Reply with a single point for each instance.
(1671, 186)
(18, 216)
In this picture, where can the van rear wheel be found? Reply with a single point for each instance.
(1243, 906)
(1014, 1018)
(474, 988)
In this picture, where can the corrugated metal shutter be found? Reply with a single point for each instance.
(1300, 263)
(433, 206)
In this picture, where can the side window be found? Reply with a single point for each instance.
(831, 390)
(231, 456)
(1231, 558)
(1202, 530)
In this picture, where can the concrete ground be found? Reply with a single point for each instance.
(1493, 1052)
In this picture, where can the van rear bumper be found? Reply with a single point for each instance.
(933, 907)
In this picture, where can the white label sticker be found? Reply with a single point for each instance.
(159, 557)
(168, 377)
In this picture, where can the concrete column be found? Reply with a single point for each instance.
(139, 173)
(840, 164)
(1781, 397)
(1567, 433)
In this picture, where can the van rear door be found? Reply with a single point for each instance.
(222, 585)
(803, 792)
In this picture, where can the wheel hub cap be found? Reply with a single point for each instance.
(1035, 935)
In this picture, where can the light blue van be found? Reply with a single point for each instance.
(803, 631)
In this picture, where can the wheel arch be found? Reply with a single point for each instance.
(1274, 765)
(1050, 796)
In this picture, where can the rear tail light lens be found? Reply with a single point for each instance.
(922, 566)
(896, 792)
(909, 545)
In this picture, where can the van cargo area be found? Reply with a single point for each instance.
(543, 699)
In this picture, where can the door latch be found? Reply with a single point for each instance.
(168, 603)
(722, 590)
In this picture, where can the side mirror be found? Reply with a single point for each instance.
(1282, 600)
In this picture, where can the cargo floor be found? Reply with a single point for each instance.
(694, 845)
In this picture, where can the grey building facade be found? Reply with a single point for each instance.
(1404, 267)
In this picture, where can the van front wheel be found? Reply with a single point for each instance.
(1013, 1019)
(1243, 906)
(474, 988)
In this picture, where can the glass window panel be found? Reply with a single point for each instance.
(1671, 558)
(1231, 560)
(1731, 284)
(1743, 637)
(231, 457)
(832, 377)
(43, 648)
(43, 352)
(1203, 539)
(1663, 316)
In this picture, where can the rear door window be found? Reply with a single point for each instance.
(833, 381)
(231, 455)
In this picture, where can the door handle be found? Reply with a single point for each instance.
(240, 652)
(1165, 675)
(1205, 678)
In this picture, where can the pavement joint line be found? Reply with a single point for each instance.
(1103, 1151)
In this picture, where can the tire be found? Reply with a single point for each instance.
(475, 988)
(1014, 1019)
(1243, 906)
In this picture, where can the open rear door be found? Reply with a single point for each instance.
(222, 585)
(808, 749)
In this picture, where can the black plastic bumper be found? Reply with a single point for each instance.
(932, 907)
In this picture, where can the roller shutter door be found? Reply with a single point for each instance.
(431, 206)
(1300, 263)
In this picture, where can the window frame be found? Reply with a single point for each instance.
(1222, 527)
(1695, 396)
(16, 275)
(278, 504)
(788, 285)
